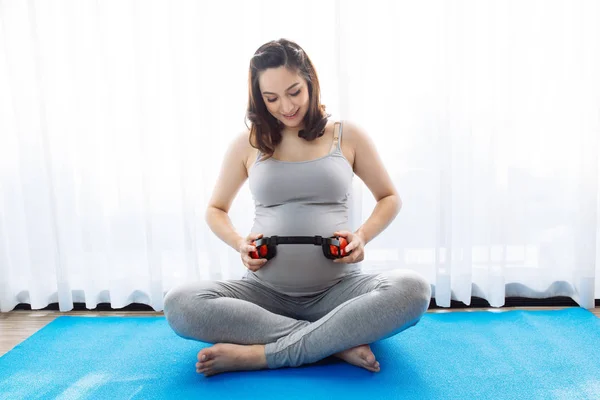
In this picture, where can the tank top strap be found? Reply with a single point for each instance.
(337, 137)
(259, 155)
(336, 145)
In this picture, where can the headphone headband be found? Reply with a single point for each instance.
(315, 240)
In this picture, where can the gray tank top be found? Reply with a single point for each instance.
(304, 198)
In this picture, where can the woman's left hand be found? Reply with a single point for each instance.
(356, 244)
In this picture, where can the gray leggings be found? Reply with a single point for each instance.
(360, 309)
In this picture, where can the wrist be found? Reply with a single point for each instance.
(238, 244)
(361, 234)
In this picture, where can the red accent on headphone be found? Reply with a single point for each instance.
(334, 249)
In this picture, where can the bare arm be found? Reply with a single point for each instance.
(370, 169)
(232, 176)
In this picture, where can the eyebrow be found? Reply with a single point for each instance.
(297, 83)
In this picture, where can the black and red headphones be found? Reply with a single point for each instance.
(333, 247)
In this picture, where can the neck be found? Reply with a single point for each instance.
(291, 131)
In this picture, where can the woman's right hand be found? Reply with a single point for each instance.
(245, 247)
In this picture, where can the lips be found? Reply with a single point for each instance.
(290, 116)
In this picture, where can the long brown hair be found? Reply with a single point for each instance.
(265, 130)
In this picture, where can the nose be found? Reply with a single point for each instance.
(287, 106)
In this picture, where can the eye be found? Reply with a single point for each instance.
(295, 94)
(271, 100)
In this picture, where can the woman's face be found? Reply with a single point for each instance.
(286, 95)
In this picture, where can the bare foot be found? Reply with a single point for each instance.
(224, 357)
(361, 356)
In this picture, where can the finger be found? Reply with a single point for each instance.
(251, 267)
(255, 235)
(344, 234)
(247, 252)
(249, 248)
(256, 263)
(346, 259)
(248, 261)
(255, 268)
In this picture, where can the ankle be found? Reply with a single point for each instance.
(259, 352)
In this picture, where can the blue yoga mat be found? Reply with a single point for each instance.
(466, 355)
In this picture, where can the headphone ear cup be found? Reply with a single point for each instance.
(343, 244)
(254, 254)
(327, 251)
(263, 250)
(333, 249)
(270, 252)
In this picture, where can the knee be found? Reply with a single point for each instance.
(413, 288)
(180, 305)
(171, 298)
(174, 303)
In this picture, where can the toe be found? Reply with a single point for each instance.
(201, 366)
(206, 364)
(205, 369)
(373, 368)
(204, 355)
(370, 359)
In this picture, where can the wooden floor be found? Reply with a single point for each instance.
(16, 326)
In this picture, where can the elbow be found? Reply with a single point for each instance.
(392, 202)
(398, 203)
(210, 210)
(207, 215)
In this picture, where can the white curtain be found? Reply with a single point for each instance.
(114, 118)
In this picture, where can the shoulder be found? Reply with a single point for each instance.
(354, 135)
(353, 131)
(243, 149)
(361, 145)
(241, 140)
(368, 165)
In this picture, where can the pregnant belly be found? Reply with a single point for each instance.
(296, 219)
(302, 270)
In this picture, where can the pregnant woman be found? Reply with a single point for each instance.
(299, 306)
